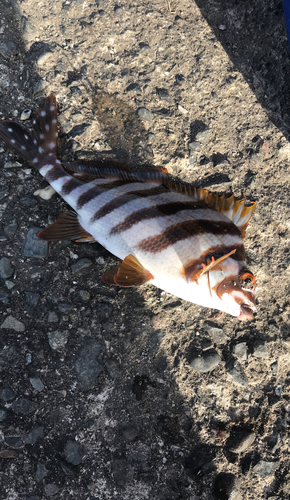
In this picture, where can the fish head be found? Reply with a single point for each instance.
(232, 286)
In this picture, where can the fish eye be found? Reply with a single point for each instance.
(247, 280)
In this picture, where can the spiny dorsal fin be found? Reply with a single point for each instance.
(129, 273)
(66, 227)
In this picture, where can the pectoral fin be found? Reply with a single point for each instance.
(129, 273)
(66, 227)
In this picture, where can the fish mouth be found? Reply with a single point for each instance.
(246, 312)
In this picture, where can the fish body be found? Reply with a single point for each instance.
(184, 240)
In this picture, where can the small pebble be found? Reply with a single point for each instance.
(23, 406)
(151, 137)
(9, 284)
(73, 453)
(206, 361)
(40, 86)
(58, 339)
(217, 335)
(86, 364)
(182, 109)
(4, 297)
(14, 441)
(52, 317)
(30, 301)
(240, 440)
(64, 307)
(274, 367)
(34, 246)
(237, 373)
(6, 270)
(11, 229)
(194, 146)
(45, 193)
(12, 323)
(7, 48)
(134, 87)
(260, 350)
(85, 296)
(144, 46)
(163, 95)
(27, 201)
(41, 472)
(241, 351)
(222, 27)
(265, 469)
(118, 9)
(3, 414)
(25, 115)
(202, 137)
(35, 434)
(28, 358)
(226, 487)
(8, 454)
(12, 164)
(7, 394)
(81, 265)
(36, 384)
(51, 489)
(4, 191)
(144, 114)
(44, 58)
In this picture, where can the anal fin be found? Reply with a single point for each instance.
(66, 227)
(129, 273)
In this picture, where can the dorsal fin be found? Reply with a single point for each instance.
(235, 209)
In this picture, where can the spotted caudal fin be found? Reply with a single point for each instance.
(34, 145)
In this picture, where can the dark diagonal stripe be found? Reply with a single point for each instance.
(218, 250)
(70, 185)
(125, 198)
(186, 229)
(157, 211)
(55, 173)
(95, 191)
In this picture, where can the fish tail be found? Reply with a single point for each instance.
(37, 144)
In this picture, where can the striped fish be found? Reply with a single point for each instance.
(182, 239)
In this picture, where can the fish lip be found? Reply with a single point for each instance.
(246, 312)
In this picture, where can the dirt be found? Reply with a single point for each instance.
(98, 395)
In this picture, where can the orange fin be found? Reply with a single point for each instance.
(66, 227)
(129, 273)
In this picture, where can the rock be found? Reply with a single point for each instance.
(30, 301)
(27, 201)
(51, 489)
(25, 115)
(40, 86)
(163, 95)
(41, 472)
(134, 87)
(81, 265)
(14, 441)
(237, 373)
(5, 268)
(44, 58)
(206, 361)
(241, 351)
(240, 440)
(3, 414)
(34, 246)
(265, 469)
(11, 229)
(64, 307)
(217, 335)
(151, 137)
(36, 384)
(202, 137)
(9, 284)
(274, 367)
(86, 365)
(52, 317)
(144, 114)
(182, 109)
(7, 48)
(194, 146)
(73, 453)
(84, 295)
(7, 395)
(57, 339)
(12, 323)
(4, 191)
(8, 454)
(260, 350)
(35, 434)
(23, 406)
(118, 9)
(4, 297)
(226, 487)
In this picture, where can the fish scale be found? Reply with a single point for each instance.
(184, 240)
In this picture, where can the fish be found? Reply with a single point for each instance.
(181, 238)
